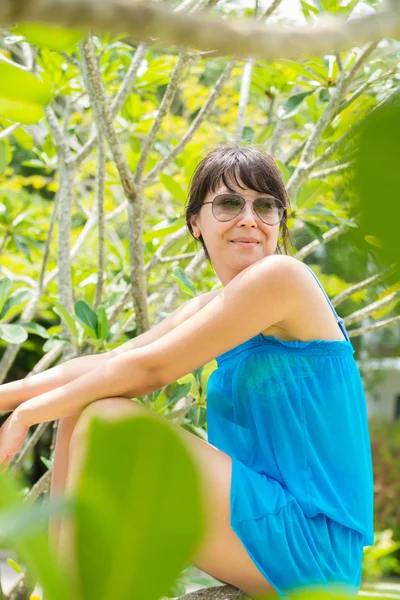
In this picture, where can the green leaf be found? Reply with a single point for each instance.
(54, 37)
(179, 392)
(27, 113)
(321, 211)
(136, 473)
(62, 312)
(198, 415)
(20, 242)
(48, 463)
(5, 286)
(314, 230)
(22, 95)
(13, 333)
(16, 299)
(324, 95)
(3, 157)
(307, 8)
(163, 229)
(292, 105)
(102, 323)
(14, 565)
(301, 70)
(32, 327)
(86, 315)
(173, 187)
(180, 276)
(48, 345)
(311, 192)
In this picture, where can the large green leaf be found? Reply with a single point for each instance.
(377, 180)
(22, 95)
(25, 530)
(54, 37)
(140, 514)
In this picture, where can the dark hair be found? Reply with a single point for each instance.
(231, 163)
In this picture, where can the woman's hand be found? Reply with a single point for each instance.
(12, 436)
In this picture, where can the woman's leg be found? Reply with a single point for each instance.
(60, 469)
(221, 553)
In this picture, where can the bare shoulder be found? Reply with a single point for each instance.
(284, 270)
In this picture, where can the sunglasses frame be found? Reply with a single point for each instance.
(283, 208)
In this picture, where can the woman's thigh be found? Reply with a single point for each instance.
(221, 553)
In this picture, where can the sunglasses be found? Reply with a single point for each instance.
(226, 207)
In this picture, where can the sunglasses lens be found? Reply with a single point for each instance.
(268, 210)
(227, 207)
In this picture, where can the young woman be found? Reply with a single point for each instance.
(287, 472)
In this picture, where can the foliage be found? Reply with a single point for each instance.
(127, 508)
(86, 304)
(385, 444)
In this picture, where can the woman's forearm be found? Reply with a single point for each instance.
(125, 375)
(16, 392)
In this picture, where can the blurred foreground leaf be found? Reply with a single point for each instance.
(139, 509)
(377, 181)
(25, 530)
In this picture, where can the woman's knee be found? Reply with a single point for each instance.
(107, 408)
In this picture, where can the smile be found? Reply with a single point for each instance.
(246, 244)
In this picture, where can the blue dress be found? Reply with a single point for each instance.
(293, 418)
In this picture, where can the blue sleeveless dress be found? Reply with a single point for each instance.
(293, 418)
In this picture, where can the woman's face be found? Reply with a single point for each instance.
(229, 258)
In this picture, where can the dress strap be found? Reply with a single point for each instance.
(339, 319)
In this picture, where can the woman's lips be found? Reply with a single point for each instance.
(246, 244)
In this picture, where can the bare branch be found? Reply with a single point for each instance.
(9, 130)
(244, 97)
(330, 170)
(374, 327)
(129, 79)
(99, 196)
(366, 283)
(64, 200)
(236, 37)
(203, 113)
(350, 134)
(103, 116)
(302, 168)
(183, 59)
(327, 237)
(359, 315)
(362, 57)
(29, 444)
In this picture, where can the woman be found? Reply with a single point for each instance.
(287, 472)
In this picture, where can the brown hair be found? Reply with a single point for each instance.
(255, 168)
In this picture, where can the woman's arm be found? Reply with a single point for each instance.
(16, 392)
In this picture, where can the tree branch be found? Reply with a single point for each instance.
(370, 281)
(359, 315)
(236, 37)
(374, 327)
(327, 236)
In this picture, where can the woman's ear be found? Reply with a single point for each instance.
(193, 222)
